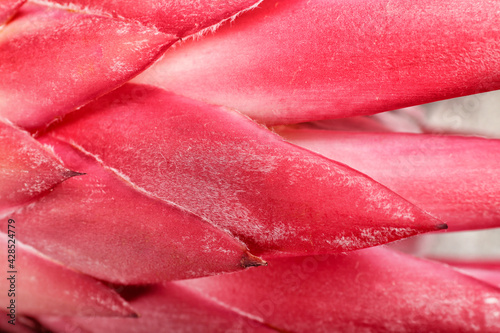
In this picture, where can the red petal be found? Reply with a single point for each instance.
(27, 169)
(456, 179)
(41, 286)
(54, 61)
(8, 8)
(101, 225)
(179, 18)
(487, 271)
(168, 308)
(373, 290)
(487, 275)
(225, 168)
(298, 60)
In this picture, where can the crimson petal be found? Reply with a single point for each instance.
(372, 290)
(54, 61)
(41, 286)
(221, 166)
(27, 169)
(165, 308)
(101, 225)
(455, 178)
(179, 18)
(484, 270)
(299, 60)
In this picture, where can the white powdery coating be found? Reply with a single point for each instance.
(368, 237)
(222, 202)
(182, 19)
(239, 176)
(210, 245)
(491, 300)
(27, 168)
(119, 174)
(74, 79)
(212, 29)
(73, 7)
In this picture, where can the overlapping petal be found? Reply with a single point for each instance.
(27, 169)
(298, 60)
(165, 308)
(454, 178)
(223, 167)
(372, 290)
(179, 18)
(40, 286)
(484, 270)
(8, 8)
(175, 183)
(103, 226)
(54, 61)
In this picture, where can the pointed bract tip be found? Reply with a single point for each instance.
(70, 173)
(133, 315)
(442, 226)
(249, 260)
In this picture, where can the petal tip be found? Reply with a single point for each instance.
(133, 315)
(70, 174)
(249, 260)
(442, 226)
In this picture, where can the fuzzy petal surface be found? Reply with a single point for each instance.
(165, 308)
(103, 226)
(27, 169)
(371, 290)
(176, 17)
(54, 61)
(225, 168)
(454, 178)
(484, 270)
(39, 285)
(299, 60)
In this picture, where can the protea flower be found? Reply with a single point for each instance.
(176, 166)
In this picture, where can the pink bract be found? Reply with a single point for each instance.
(294, 61)
(221, 166)
(454, 178)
